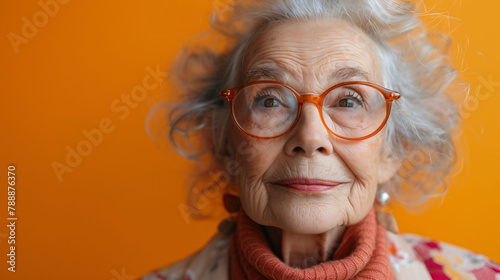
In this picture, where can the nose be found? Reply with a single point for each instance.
(309, 137)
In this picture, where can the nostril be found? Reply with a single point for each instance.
(298, 149)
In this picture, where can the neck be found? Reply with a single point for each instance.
(304, 250)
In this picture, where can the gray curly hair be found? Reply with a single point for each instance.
(419, 131)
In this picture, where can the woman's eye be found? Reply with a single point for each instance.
(348, 102)
(269, 98)
(271, 102)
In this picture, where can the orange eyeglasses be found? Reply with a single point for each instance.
(352, 110)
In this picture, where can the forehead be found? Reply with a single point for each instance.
(318, 49)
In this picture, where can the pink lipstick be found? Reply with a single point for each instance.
(307, 185)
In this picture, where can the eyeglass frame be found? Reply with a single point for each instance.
(389, 96)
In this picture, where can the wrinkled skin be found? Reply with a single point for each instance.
(306, 55)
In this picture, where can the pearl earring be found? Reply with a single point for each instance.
(384, 215)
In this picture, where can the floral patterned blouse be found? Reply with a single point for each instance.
(412, 257)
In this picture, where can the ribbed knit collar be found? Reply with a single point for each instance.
(362, 254)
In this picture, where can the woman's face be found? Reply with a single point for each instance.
(309, 181)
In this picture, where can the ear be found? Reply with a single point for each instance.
(224, 152)
(225, 159)
(388, 166)
(222, 149)
(227, 151)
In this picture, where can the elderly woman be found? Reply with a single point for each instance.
(316, 112)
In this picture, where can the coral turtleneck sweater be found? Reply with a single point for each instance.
(362, 254)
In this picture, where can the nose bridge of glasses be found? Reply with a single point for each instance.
(310, 110)
(310, 98)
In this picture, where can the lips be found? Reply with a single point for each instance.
(307, 185)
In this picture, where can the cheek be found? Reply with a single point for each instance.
(362, 158)
(254, 158)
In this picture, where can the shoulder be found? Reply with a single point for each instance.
(210, 262)
(432, 259)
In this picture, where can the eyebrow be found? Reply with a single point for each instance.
(259, 72)
(346, 73)
(342, 74)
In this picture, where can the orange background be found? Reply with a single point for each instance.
(117, 213)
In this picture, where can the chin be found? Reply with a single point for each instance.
(307, 219)
(314, 218)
